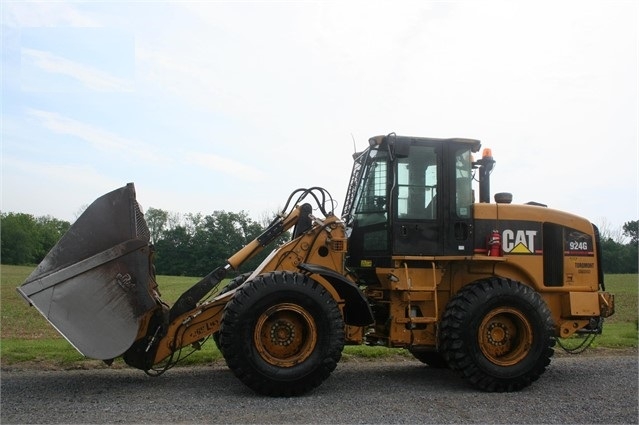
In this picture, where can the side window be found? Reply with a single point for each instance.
(417, 177)
(463, 183)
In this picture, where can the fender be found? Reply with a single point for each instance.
(357, 311)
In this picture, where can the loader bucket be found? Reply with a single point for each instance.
(95, 285)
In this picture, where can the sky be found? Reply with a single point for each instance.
(232, 105)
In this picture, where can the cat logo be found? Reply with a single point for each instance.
(519, 241)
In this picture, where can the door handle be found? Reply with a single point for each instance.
(461, 231)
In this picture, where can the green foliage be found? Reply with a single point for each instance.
(625, 289)
(171, 287)
(39, 350)
(631, 230)
(200, 244)
(26, 239)
(173, 253)
(618, 257)
(617, 335)
(28, 337)
(621, 329)
(372, 352)
(156, 221)
(18, 320)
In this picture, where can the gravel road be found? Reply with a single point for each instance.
(580, 389)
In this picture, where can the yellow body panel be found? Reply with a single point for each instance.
(417, 288)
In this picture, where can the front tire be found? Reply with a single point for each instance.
(282, 334)
(235, 283)
(498, 334)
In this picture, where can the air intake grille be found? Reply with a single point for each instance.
(338, 245)
(553, 240)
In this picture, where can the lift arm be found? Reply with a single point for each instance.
(189, 299)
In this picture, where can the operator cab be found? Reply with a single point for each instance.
(410, 196)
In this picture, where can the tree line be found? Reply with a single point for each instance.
(195, 244)
(618, 254)
(27, 239)
(189, 245)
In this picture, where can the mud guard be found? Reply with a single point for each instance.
(357, 311)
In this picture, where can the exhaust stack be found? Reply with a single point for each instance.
(486, 164)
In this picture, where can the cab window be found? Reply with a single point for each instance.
(463, 183)
(417, 178)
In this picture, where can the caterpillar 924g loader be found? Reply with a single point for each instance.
(484, 288)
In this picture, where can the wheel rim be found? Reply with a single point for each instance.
(505, 336)
(285, 335)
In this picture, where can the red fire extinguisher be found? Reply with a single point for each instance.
(494, 244)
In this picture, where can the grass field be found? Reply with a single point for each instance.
(27, 337)
(620, 330)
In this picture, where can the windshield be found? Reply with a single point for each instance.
(366, 198)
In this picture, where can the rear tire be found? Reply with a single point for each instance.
(498, 334)
(282, 334)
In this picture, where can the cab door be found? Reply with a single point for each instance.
(368, 243)
(458, 218)
(432, 194)
(418, 225)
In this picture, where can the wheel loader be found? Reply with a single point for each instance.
(415, 261)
